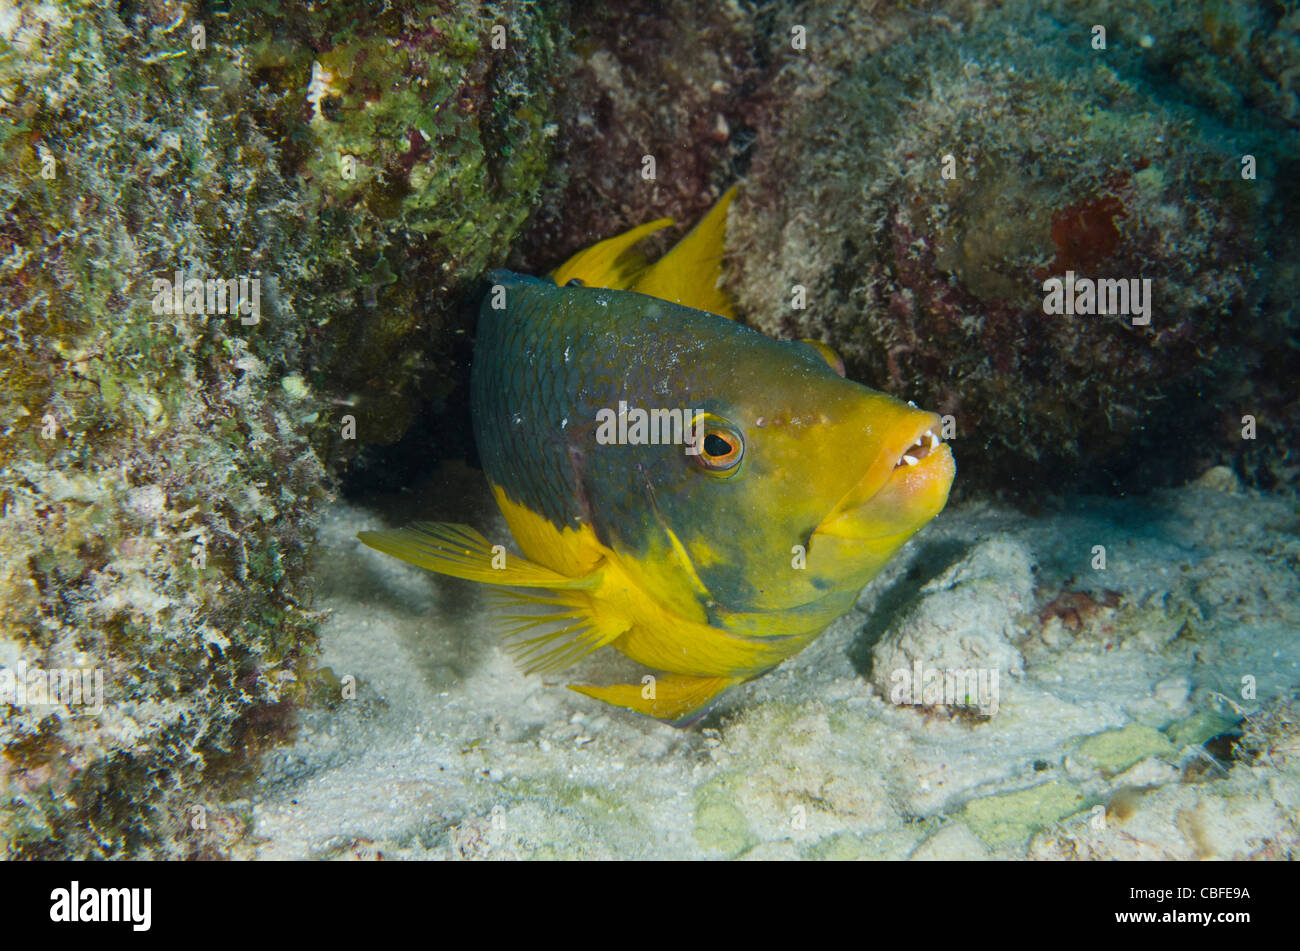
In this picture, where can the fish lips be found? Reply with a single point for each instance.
(906, 487)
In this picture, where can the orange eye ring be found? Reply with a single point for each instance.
(721, 448)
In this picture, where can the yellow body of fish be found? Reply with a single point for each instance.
(708, 558)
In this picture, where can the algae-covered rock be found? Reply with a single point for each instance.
(418, 135)
(954, 648)
(656, 111)
(223, 231)
(156, 478)
(963, 164)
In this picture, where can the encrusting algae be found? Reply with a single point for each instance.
(710, 550)
(161, 473)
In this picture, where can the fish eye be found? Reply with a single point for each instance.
(722, 447)
(716, 446)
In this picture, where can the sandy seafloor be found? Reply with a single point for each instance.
(1115, 734)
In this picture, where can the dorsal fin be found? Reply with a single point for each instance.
(613, 263)
(689, 274)
(827, 353)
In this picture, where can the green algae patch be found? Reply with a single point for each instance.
(418, 140)
(1008, 819)
(720, 823)
(584, 797)
(1199, 727)
(1117, 750)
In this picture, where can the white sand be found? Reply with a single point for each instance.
(1095, 749)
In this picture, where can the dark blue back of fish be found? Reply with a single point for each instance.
(550, 359)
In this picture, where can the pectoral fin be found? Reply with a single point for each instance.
(562, 627)
(460, 551)
(679, 699)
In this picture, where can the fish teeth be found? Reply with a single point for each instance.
(910, 460)
(934, 440)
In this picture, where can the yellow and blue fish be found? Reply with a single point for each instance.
(684, 489)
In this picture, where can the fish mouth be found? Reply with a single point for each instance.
(905, 487)
(926, 442)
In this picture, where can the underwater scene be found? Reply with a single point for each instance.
(657, 429)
